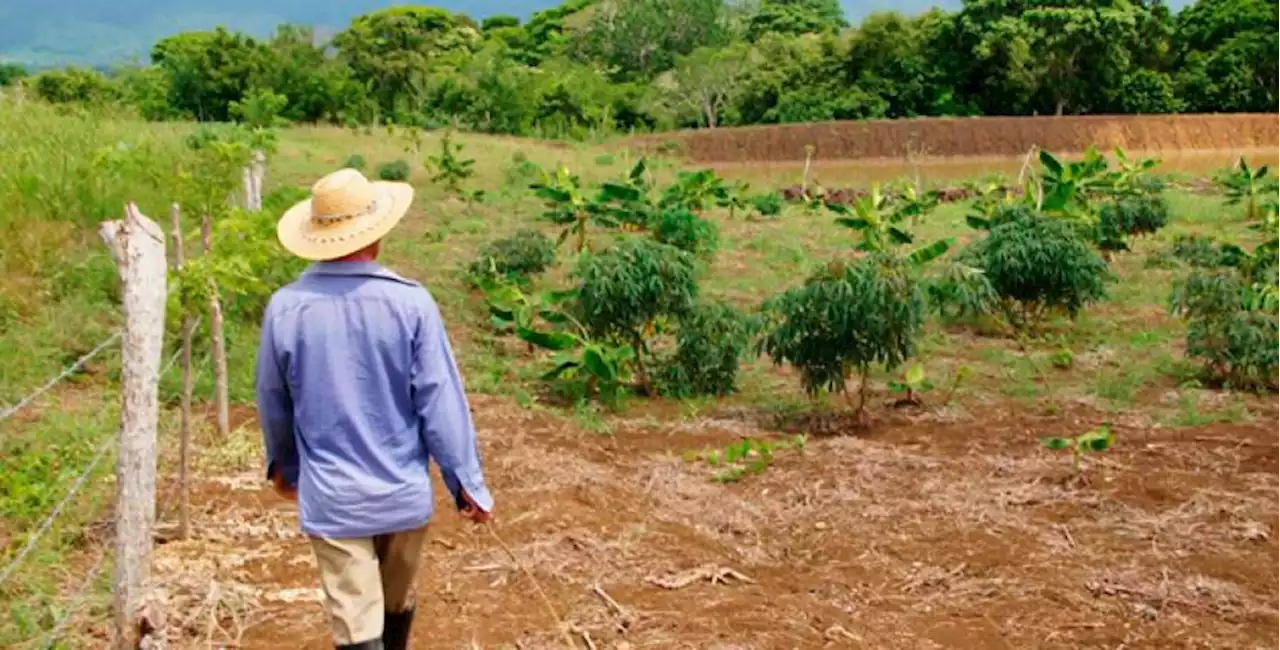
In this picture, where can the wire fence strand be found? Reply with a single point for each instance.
(67, 372)
(82, 592)
(44, 526)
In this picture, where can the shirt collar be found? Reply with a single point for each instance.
(357, 269)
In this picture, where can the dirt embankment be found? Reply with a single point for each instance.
(985, 136)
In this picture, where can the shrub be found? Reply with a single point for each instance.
(626, 288)
(1232, 327)
(846, 318)
(710, 340)
(1041, 264)
(516, 258)
(354, 161)
(768, 204)
(687, 231)
(1206, 252)
(1129, 217)
(396, 170)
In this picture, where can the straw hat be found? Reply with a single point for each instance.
(345, 213)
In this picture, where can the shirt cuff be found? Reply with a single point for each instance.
(471, 481)
(290, 473)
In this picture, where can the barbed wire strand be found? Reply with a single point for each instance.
(81, 593)
(67, 372)
(44, 526)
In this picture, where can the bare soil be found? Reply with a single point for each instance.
(924, 529)
(970, 137)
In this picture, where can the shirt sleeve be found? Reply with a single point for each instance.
(444, 417)
(275, 408)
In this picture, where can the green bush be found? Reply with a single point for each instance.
(354, 161)
(768, 204)
(846, 318)
(517, 258)
(1232, 328)
(627, 288)
(1040, 264)
(396, 170)
(1130, 217)
(710, 341)
(687, 231)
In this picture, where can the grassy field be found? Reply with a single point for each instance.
(945, 525)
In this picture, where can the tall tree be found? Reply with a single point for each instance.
(795, 17)
(392, 51)
(208, 70)
(641, 38)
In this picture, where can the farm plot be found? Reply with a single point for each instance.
(946, 455)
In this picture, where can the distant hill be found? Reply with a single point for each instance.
(102, 33)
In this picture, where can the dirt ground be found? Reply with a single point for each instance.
(925, 529)
(986, 136)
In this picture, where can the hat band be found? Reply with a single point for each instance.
(327, 220)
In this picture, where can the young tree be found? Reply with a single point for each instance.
(706, 81)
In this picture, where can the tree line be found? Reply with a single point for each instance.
(592, 67)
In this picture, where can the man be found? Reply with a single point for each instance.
(357, 388)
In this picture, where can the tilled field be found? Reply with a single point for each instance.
(927, 529)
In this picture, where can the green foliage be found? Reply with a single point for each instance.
(594, 367)
(396, 170)
(627, 286)
(711, 339)
(768, 204)
(1040, 264)
(1232, 327)
(1090, 442)
(747, 456)
(451, 170)
(846, 318)
(516, 258)
(912, 382)
(687, 231)
(75, 85)
(1131, 216)
(1248, 186)
(354, 161)
(882, 233)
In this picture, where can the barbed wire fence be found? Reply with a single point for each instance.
(81, 593)
(138, 248)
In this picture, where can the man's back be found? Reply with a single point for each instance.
(361, 363)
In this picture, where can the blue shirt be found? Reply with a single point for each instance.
(357, 388)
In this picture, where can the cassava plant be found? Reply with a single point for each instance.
(845, 319)
(711, 338)
(1037, 265)
(625, 292)
(681, 228)
(517, 258)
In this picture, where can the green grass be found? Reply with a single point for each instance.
(58, 298)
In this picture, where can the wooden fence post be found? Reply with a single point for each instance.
(219, 347)
(188, 386)
(252, 177)
(137, 244)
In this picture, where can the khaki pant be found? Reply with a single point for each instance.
(364, 577)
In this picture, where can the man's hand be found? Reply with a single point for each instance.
(286, 491)
(474, 512)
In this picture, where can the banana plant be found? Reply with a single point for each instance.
(694, 190)
(1243, 184)
(568, 206)
(628, 200)
(604, 368)
(735, 198)
(913, 205)
(1132, 178)
(881, 232)
(1095, 441)
(1065, 189)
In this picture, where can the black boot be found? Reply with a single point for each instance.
(375, 644)
(395, 629)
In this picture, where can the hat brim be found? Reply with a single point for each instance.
(298, 234)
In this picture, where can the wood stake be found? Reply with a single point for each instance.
(188, 386)
(218, 342)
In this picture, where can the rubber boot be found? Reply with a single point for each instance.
(395, 629)
(375, 644)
